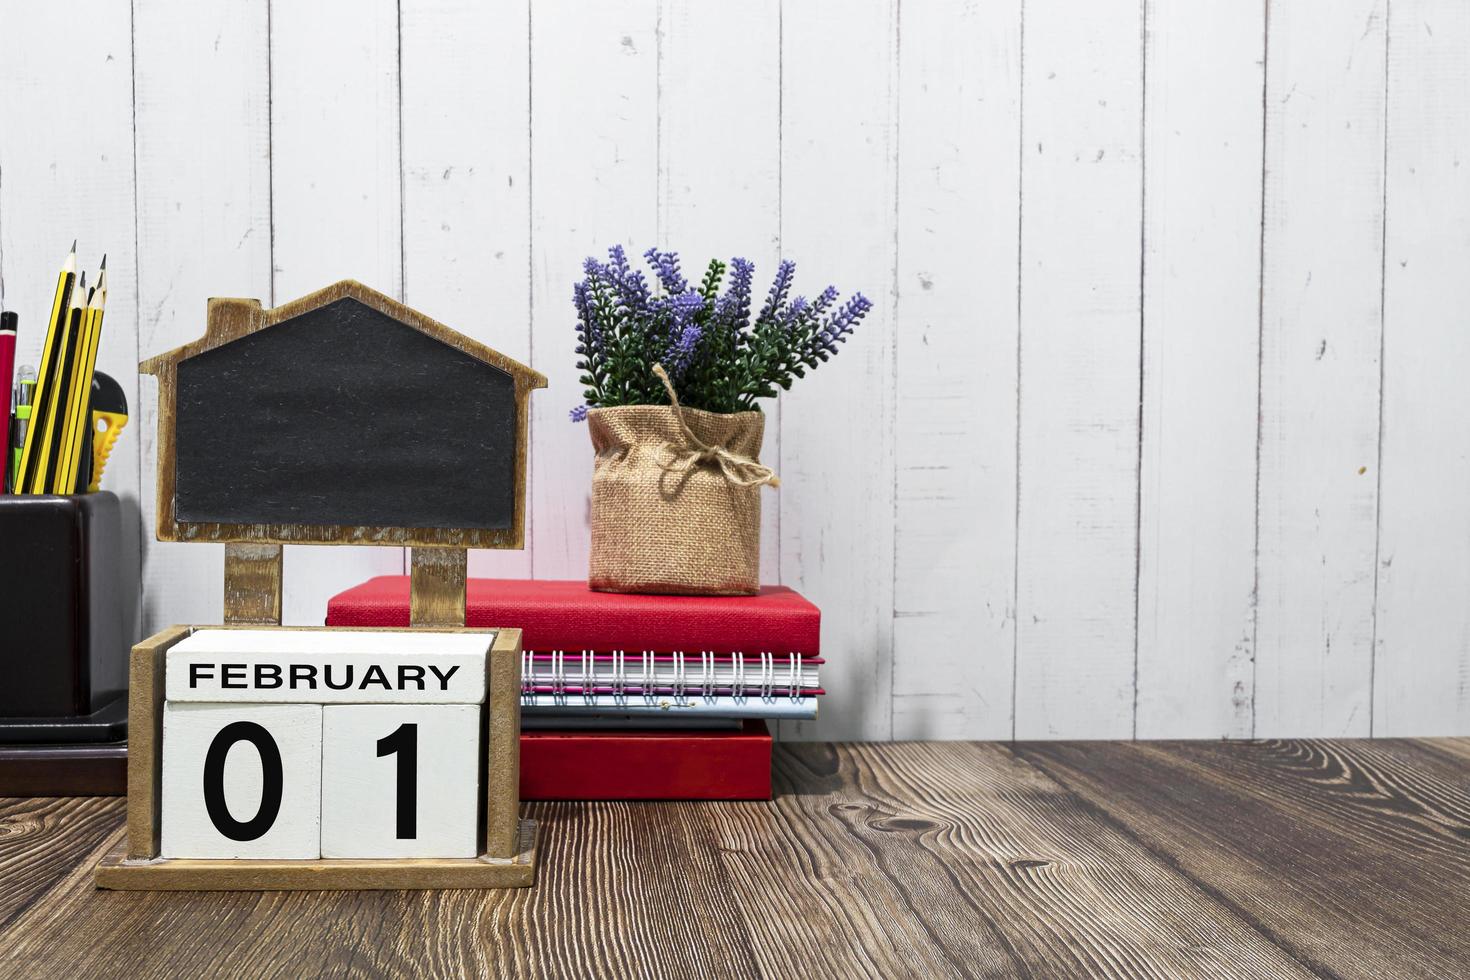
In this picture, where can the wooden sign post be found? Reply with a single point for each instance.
(343, 417)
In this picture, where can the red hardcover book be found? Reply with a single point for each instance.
(569, 616)
(647, 765)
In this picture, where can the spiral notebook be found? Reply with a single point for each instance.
(646, 672)
(649, 684)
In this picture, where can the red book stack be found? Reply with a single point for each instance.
(637, 696)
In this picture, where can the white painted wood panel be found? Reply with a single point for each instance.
(1081, 180)
(594, 173)
(1321, 318)
(955, 512)
(719, 162)
(839, 223)
(325, 667)
(280, 146)
(1421, 683)
(202, 94)
(466, 184)
(336, 206)
(1201, 307)
(66, 171)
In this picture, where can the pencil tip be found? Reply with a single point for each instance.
(104, 260)
(74, 246)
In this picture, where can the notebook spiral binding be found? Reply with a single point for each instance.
(770, 678)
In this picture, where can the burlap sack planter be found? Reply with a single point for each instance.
(676, 510)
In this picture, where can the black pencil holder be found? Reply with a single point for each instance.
(63, 654)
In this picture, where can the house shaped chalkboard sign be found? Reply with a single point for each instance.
(342, 417)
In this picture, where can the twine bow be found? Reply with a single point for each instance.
(742, 471)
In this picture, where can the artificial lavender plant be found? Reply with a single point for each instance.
(718, 357)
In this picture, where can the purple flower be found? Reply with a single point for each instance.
(666, 266)
(589, 326)
(684, 333)
(681, 352)
(631, 287)
(733, 309)
(795, 313)
(579, 414)
(840, 324)
(618, 264)
(828, 297)
(686, 305)
(780, 287)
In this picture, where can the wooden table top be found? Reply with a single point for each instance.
(1048, 859)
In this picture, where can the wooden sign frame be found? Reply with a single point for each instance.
(252, 597)
(508, 858)
(231, 319)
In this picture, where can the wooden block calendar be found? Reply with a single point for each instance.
(364, 834)
(263, 757)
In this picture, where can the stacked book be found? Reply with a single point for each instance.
(637, 696)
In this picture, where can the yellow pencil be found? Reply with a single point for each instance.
(79, 414)
(49, 458)
(33, 450)
(61, 482)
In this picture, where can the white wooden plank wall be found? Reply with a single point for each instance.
(1156, 429)
(1201, 313)
(954, 626)
(1322, 328)
(1081, 230)
(1422, 670)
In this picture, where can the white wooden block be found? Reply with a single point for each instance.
(400, 781)
(242, 781)
(323, 667)
(209, 640)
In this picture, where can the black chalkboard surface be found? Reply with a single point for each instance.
(344, 416)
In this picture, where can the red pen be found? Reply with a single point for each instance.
(7, 372)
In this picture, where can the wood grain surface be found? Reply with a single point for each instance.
(1181, 859)
(436, 595)
(253, 583)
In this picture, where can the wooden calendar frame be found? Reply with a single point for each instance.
(508, 858)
